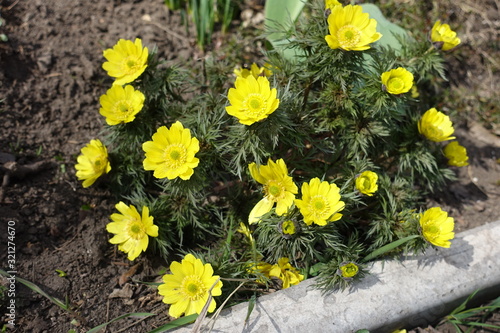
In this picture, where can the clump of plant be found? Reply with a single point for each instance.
(312, 163)
(205, 15)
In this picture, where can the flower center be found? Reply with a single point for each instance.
(396, 83)
(193, 288)
(432, 230)
(274, 190)
(256, 105)
(319, 207)
(366, 183)
(349, 270)
(136, 229)
(175, 155)
(99, 164)
(130, 65)
(348, 36)
(434, 132)
(124, 107)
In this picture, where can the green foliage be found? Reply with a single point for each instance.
(205, 15)
(63, 305)
(472, 317)
(128, 315)
(334, 122)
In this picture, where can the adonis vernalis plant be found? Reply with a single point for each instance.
(126, 61)
(121, 104)
(131, 229)
(351, 29)
(436, 126)
(188, 287)
(456, 154)
(92, 163)
(443, 37)
(279, 188)
(300, 165)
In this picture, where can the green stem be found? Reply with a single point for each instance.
(386, 248)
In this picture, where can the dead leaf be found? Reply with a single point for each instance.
(125, 292)
(125, 276)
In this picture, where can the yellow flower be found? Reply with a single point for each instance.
(348, 270)
(351, 29)
(171, 153)
(286, 273)
(127, 60)
(254, 70)
(252, 100)
(320, 202)
(397, 81)
(329, 4)
(245, 231)
(437, 227)
(261, 270)
(436, 126)
(456, 154)
(443, 37)
(279, 188)
(121, 104)
(131, 230)
(288, 227)
(399, 331)
(366, 183)
(414, 92)
(188, 287)
(92, 163)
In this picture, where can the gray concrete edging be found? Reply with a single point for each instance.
(397, 294)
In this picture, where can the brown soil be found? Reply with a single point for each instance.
(51, 81)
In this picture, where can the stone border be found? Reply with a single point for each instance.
(410, 293)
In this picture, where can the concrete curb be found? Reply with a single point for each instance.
(410, 293)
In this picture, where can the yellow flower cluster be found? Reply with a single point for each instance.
(320, 201)
(127, 61)
(171, 153)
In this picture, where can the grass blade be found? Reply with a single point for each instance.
(38, 290)
(251, 306)
(132, 315)
(388, 247)
(176, 324)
